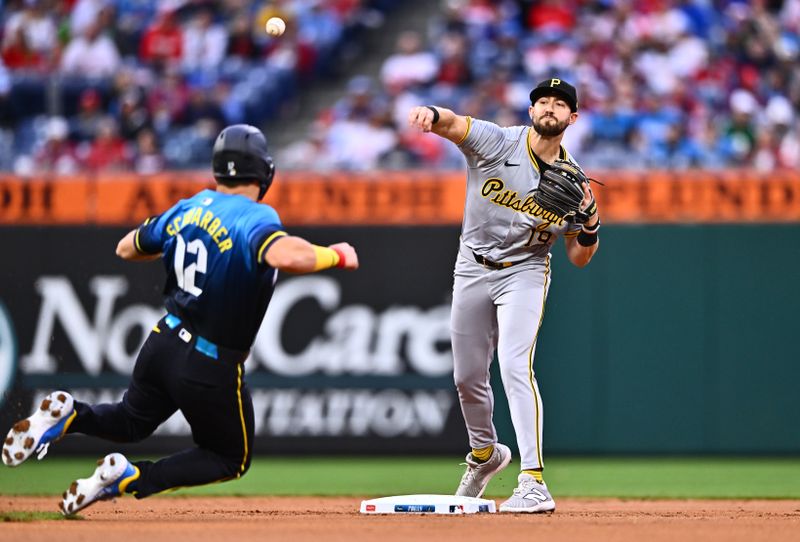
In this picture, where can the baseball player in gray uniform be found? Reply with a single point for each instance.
(502, 275)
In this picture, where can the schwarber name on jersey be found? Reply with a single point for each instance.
(501, 221)
(213, 248)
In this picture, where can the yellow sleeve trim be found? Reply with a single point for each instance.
(268, 240)
(469, 127)
(136, 244)
(573, 233)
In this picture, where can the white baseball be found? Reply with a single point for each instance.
(276, 26)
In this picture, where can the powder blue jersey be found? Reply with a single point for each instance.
(213, 248)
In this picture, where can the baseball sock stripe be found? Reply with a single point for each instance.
(536, 473)
(481, 455)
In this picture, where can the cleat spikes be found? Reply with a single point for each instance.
(22, 426)
(45, 404)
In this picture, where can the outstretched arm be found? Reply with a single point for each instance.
(296, 255)
(448, 125)
(126, 249)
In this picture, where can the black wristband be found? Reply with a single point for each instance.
(587, 239)
(435, 114)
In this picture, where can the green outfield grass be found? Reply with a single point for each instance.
(714, 478)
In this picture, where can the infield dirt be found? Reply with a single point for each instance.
(301, 519)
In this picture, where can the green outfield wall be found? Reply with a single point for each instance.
(676, 339)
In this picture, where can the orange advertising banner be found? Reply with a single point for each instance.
(402, 197)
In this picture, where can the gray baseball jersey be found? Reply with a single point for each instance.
(502, 308)
(501, 220)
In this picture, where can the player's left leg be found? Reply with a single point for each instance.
(520, 312)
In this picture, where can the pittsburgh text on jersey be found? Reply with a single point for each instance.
(493, 191)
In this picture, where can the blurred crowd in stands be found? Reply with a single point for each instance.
(144, 85)
(662, 84)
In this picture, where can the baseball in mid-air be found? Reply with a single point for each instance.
(276, 26)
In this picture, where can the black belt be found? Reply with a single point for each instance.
(490, 264)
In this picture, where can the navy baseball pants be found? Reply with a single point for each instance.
(179, 370)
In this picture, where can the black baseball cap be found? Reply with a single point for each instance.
(556, 87)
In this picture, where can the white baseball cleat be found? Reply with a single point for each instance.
(113, 474)
(529, 496)
(477, 476)
(36, 432)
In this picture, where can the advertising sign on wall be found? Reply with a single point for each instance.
(343, 361)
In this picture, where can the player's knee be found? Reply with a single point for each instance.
(236, 467)
(471, 383)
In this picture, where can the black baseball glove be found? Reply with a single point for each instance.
(561, 191)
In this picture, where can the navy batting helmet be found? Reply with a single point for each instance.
(241, 156)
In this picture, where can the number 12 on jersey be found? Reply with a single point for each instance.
(186, 275)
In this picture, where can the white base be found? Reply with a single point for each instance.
(427, 504)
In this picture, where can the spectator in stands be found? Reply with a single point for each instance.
(739, 137)
(133, 115)
(454, 69)
(108, 152)
(202, 108)
(162, 43)
(241, 43)
(167, 101)
(310, 153)
(204, 42)
(56, 154)
(31, 34)
(18, 55)
(321, 27)
(231, 106)
(92, 54)
(360, 102)
(147, 156)
(551, 16)
(357, 144)
(131, 20)
(86, 13)
(677, 150)
(410, 64)
(84, 125)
